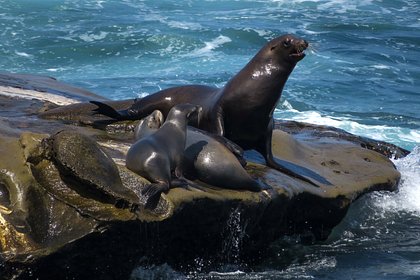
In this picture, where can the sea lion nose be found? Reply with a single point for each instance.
(305, 43)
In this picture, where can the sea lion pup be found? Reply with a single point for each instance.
(148, 125)
(205, 158)
(241, 111)
(158, 155)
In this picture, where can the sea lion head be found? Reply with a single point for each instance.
(286, 49)
(184, 111)
(154, 120)
(149, 124)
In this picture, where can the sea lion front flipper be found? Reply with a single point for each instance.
(237, 151)
(152, 193)
(287, 167)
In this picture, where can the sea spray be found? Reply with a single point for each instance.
(407, 199)
(401, 136)
(233, 235)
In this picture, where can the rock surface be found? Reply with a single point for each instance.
(56, 223)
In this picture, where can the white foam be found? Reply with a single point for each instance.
(407, 199)
(397, 135)
(93, 37)
(210, 46)
(262, 33)
(23, 54)
(380, 66)
(99, 3)
(342, 6)
(230, 273)
(152, 16)
(184, 25)
(59, 69)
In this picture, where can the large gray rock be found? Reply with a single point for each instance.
(54, 222)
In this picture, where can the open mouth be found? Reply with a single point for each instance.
(299, 52)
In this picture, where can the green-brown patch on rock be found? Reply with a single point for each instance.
(80, 158)
(21, 227)
(49, 177)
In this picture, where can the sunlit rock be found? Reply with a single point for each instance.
(68, 205)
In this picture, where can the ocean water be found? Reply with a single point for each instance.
(361, 74)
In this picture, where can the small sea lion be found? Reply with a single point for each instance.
(205, 158)
(158, 155)
(148, 125)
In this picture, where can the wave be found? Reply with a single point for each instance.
(24, 54)
(184, 25)
(404, 137)
(90, 37)
(407, 199)
(210, 46)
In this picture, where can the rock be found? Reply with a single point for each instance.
(80, 160)
(44, 88)
(302, 130)
(59, 193)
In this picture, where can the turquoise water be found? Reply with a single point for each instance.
(362, 74)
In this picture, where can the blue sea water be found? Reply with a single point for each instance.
(361, 73)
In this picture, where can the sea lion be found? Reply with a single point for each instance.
(241, 111)
(158, 155)
(148, 125)
(205, 158)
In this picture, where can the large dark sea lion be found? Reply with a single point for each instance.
(242, 111)
(158, 155)
(205, 157)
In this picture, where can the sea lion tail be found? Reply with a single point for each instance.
(152, 193)
(105, 109)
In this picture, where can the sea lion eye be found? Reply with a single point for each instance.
(287, 43)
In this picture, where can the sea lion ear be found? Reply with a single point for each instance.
(286, 43)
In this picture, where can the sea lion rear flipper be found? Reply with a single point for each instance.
(152, 194)
(106, 110)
